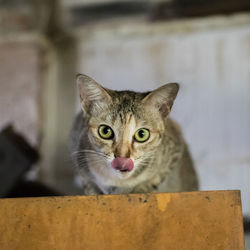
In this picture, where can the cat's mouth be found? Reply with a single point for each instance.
(123, 164)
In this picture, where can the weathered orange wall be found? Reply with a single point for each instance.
(196, 220)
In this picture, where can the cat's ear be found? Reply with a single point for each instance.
(162, 98)
(92, 94)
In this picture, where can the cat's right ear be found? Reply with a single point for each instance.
(162, 98)
(92, 94)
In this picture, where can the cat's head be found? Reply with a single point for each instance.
(124, 127)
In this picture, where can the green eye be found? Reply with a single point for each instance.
(105, 132)
(142, 135)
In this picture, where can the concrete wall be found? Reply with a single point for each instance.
(210, 58)
(37, 84)
(20, 78)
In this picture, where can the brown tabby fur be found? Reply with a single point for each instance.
(161, 164)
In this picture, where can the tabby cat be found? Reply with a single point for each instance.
(125, 142)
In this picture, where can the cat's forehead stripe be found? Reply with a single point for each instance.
(125, 142)
(121, 117)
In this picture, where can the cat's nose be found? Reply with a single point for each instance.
(123, 164)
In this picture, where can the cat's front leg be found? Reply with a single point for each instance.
(91, 189)
(145, 188)
(149, 186)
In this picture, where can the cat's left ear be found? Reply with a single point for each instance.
(163, 98)
(92, 94)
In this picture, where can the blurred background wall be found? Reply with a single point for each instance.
(138, 45)
(210, 58)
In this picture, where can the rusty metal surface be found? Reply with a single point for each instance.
(196, 220)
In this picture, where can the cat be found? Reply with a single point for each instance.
(125, 142)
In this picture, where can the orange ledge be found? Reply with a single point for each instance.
(195, 220)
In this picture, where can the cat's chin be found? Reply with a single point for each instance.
(111, 176)
(121, 174)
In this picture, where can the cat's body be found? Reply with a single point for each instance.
(124, 142)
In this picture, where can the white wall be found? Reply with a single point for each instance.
(20, 75)
(211, 59)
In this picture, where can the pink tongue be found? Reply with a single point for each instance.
(123, 164)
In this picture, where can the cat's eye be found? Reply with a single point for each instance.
(142, 135)
(105, 132)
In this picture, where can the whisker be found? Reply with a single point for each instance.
(88, 151)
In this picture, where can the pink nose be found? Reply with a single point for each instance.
(123, 164)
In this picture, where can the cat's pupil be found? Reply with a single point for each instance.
(141, 133)
(106, 130)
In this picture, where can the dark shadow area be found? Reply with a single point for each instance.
(16, 159)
